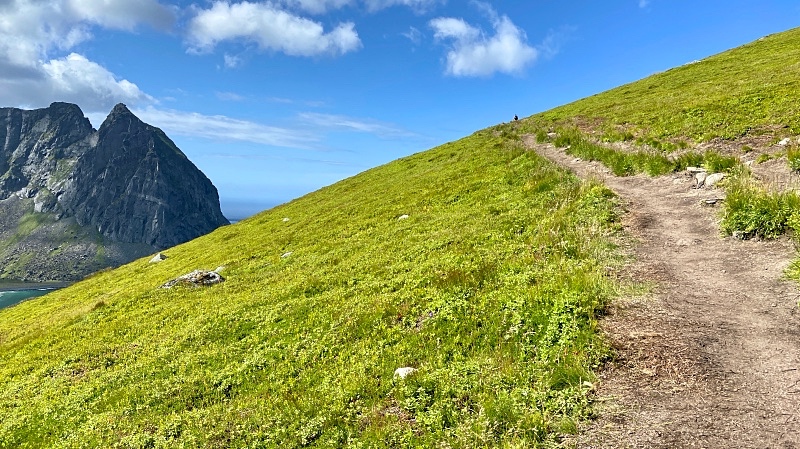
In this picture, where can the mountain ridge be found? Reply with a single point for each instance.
(126, 186)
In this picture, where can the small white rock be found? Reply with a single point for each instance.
(403, 217)
(700, 177)
(285, 219)
(403, 372)
(784, 142)
(714, 178)
(285, 255)
(158, 258)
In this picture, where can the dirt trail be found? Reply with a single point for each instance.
(712, 358)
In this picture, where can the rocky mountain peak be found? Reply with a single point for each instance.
(126, 181)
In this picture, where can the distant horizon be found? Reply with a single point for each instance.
(240, 209)
(275, 99)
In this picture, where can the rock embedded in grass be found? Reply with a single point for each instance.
(713, 178)
(197, 278)
(403, 372)
(700, 177)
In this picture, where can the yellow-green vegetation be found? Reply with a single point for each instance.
(489, 288)
(29, 223)
(751, 210)
(793, 157)
(749, 90)
(625, 163)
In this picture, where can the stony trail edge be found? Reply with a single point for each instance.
(712, 357)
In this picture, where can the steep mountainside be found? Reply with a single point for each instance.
(478, 266)
(747, 92)
(75, 200)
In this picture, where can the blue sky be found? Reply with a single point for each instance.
(274, 99)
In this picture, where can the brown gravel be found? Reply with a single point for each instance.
(711, 359)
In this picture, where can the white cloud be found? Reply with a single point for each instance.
(270, 28)
(232, 61)
(342, 122)
(123, 14)
(458, 29)
(230, 96)
(73, 79)
(554, 40)
(322, 6)
(222, 128)
(417, 5)
(35, 36)
(317, 6)
(472, 53)
(30, 28)
(414, 35)
(77, 77)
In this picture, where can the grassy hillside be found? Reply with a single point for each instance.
(752, 89)
(745, 100)
(477, 263)
(489, 288)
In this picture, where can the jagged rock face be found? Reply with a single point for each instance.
(40, 147)
(135, 186)
(126, 183)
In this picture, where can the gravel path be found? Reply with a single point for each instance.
(712, 358)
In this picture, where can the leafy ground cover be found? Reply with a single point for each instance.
(490, 288)
(748, 90)
(626, 163)
(753, 211)
(746, 93)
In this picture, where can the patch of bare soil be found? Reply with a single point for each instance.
(712, 358)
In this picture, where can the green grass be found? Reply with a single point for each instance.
(491, 289)
(793, 157)
(25, 226)
(625, 163)
(749, 90)
(751, 210)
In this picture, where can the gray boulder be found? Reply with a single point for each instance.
(713, 179)
(197, 278)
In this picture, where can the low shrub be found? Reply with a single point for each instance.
(750, 210)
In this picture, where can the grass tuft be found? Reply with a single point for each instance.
(623, 163)
(793, 157)
(751, 210)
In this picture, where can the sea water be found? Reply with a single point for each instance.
(9, 297)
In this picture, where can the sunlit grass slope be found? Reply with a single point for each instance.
(489, 288)
(752, 89)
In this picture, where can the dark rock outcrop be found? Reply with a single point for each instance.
(125, 190)
(143, 189)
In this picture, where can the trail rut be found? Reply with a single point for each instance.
(712, 358)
